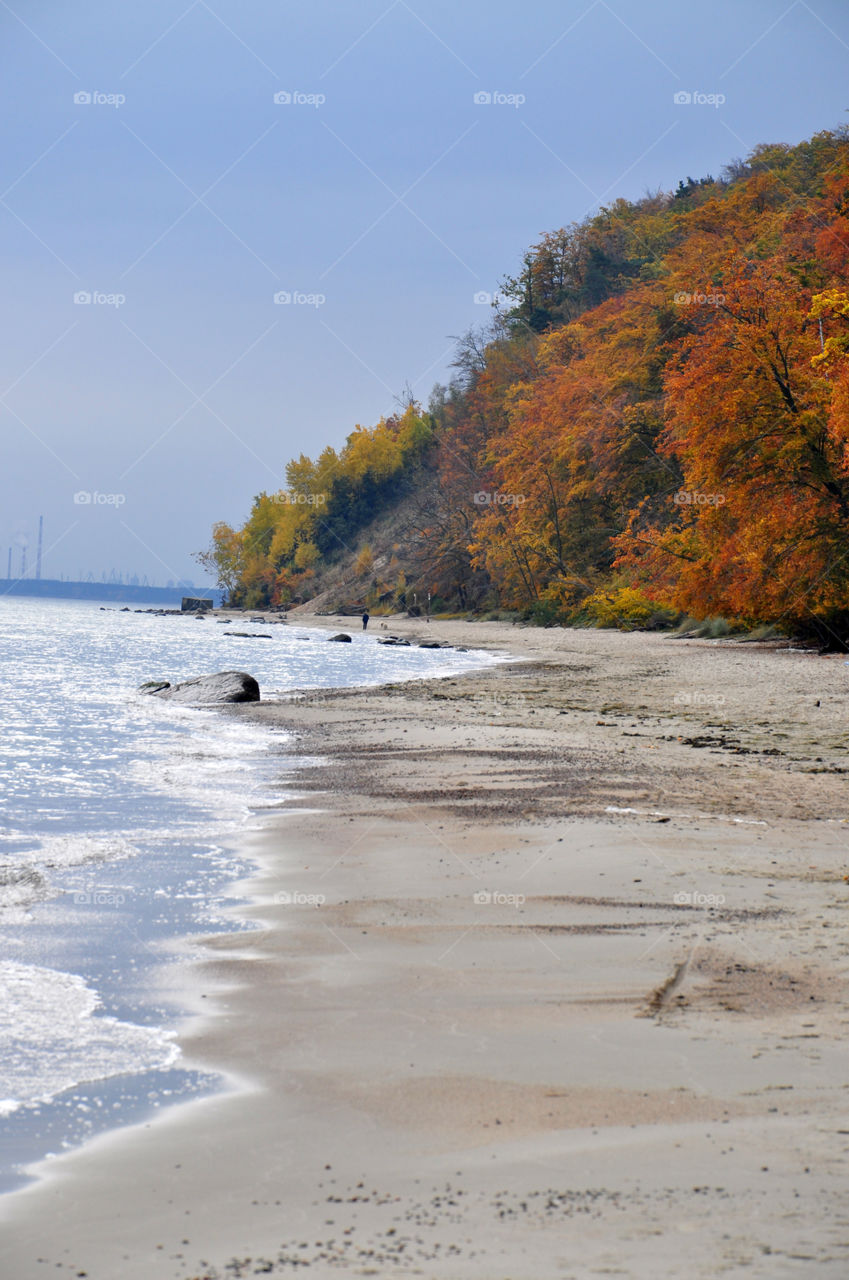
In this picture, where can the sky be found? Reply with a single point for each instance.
(232, 232)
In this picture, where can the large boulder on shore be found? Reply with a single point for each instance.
(204, 691)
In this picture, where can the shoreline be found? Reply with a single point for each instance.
(67, 1118)
(572, 1065)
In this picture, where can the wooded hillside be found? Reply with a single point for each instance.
(654, 421)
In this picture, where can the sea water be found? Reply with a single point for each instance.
(122, 821)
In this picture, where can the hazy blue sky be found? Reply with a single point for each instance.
(396, 199)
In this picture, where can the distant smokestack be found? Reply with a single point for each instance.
(24, 561)
(38, 557)
(9, 567)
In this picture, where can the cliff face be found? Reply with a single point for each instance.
(397, 558)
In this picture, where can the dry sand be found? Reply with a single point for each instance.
(573, 1002)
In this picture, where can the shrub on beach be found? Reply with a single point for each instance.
(627, 609)
(544, 613)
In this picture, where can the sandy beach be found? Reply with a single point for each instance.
(550, 981)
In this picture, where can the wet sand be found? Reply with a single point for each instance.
(551, 982)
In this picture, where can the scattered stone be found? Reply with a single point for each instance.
(211, 690)
(345, 639)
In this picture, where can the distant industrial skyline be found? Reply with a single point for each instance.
(114, 577)
(24, 567)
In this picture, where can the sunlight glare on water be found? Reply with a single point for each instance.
(119, 831)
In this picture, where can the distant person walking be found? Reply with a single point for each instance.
(365, 621)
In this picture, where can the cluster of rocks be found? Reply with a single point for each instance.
(419, 644)
(402, 642)
(195, 613)
(239, 686)
(266, 622)
(341, 637)
(159, 613)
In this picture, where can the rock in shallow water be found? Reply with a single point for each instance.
(343, 637)
(223, 686)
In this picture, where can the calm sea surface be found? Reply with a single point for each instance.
(120, 825)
